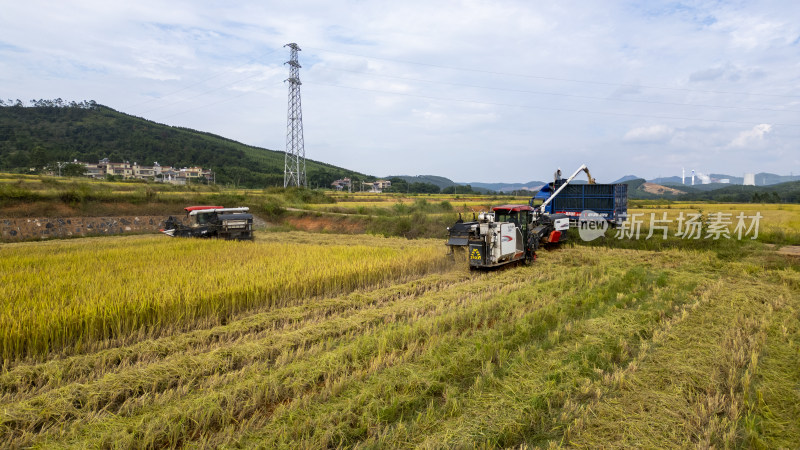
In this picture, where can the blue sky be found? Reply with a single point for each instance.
(472, 90)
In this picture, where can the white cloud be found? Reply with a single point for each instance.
(382, 78)
(757, 31)
(654, 133)
(711, 74)
(751, 137)
(728, 71)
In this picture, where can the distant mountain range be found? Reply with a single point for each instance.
(761, 178)
(626, 178)
(443, 182)
(508, 187)
(788, 191)
(641, 188)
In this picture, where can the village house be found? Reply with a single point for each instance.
(156, 172)
(342, 185)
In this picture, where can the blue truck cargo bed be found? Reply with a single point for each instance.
(608, 200)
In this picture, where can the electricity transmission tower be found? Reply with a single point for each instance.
(294, 171)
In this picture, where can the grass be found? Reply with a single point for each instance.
(44, 196)
(591, 346)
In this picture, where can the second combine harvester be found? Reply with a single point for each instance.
(513, 233)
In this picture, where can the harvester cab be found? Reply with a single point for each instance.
(212, 221)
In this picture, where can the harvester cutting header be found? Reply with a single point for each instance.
(513, 233)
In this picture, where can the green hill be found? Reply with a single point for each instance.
(446, 185)
(441, 182)
(788, 192)
(637, 191)
(33, 137)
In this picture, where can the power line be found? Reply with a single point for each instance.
(558, 94)
(218, 74)
(544, 108)
(202, 93)
(226, 99)
(539, 77)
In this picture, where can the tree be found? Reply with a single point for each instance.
(424, 188)
(38, 157)
(398, 185)
(19, 159)
(73, 170)
(459, 189)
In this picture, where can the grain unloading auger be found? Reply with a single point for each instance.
(511, 233)
(212, 221)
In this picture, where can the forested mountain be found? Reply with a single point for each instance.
(54, 130)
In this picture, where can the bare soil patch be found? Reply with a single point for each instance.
(659, 189)
(790, 250)
(328, 224)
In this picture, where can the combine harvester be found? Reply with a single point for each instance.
(513, 233)
(212, 222)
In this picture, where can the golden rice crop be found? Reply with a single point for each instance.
(69, 294)
(589, 347)
(774, 218)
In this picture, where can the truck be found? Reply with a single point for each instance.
(512, 233)
(212, 222)
(609, 201)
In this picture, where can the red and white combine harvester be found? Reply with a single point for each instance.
(511, 233)
(212, 222)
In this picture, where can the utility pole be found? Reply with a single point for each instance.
(294, 171)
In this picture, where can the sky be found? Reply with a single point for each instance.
(476, 91)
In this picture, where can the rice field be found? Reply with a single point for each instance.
(774, 216)
(304, 340)
(63, 296)
(401, 206)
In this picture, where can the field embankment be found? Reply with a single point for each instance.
(26, 229)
